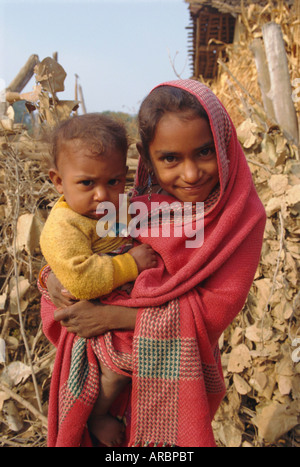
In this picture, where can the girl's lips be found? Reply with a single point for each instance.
(193, 188)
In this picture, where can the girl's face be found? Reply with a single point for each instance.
(183, 157)
(87, 181)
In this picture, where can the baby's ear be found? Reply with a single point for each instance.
(56, 180)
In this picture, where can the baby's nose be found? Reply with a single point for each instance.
(100, 194)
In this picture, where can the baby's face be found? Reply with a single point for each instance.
(86, 180)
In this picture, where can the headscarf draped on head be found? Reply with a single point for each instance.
(184, 306)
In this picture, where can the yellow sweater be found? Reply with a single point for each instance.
(76, 254)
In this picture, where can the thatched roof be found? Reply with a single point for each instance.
(230, 6)
(213, 25)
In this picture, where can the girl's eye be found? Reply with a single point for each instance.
(207, 152)
(169, 159)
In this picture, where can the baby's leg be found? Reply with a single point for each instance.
(107, 429)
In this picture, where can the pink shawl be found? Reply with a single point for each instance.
(184, 304)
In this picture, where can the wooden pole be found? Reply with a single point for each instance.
(258, 50)
(82, 100)
(196, 72)
(281, 89)
(297, 32)
(24, 75)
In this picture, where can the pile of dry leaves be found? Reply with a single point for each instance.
(261, 349)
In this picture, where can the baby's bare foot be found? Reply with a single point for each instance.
(107, 429)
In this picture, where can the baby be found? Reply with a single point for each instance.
(88, 168)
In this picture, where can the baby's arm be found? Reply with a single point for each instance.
(87, 275)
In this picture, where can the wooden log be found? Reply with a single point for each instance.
(281, 89)
(82, 100)
(258, 50)
(297, 32)
(24, 75)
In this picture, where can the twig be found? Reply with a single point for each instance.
(275, 272)
(14, 248)
(172, 62)
(25, 404)
(14, 444)
(5, 325)
(259, 165)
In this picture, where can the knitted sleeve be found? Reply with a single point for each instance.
(67, 248)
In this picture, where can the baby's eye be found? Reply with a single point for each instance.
(86, 182)
(114, 182)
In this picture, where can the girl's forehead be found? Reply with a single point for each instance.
(175, 127)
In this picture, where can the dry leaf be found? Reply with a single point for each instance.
(240, 384)
(3, 299)
(12, 416)
(50, 75)
(29, 229)
(17, 295)
(285, 384)
(239, 359)
(2, 350)
(293, 195)
(278, 183)
(274, 205)
(15, 373)
(247, 133)
(274, 420)
(64, 108)
(259, 381)
(3, 397)
(256, 333)
(230, 435)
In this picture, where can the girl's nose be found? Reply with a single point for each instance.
(191, 172)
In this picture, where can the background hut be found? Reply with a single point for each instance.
(257, 44)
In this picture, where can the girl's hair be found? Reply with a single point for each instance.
(162, 100)
(100, 133)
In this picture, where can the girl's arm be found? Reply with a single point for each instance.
(87, 318)
(91, 318)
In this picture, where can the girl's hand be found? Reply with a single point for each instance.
(59, 296)
(91, 318)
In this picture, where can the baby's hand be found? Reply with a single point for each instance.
(144, 257)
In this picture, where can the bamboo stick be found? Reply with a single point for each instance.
(281, 89)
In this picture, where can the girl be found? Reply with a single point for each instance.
(189, 153)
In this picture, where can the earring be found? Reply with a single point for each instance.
(149, 185)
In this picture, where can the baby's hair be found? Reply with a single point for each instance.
(100, 133)
(162, 100)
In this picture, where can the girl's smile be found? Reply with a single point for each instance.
(183, 157)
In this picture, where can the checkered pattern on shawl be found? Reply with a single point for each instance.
(184, 306)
